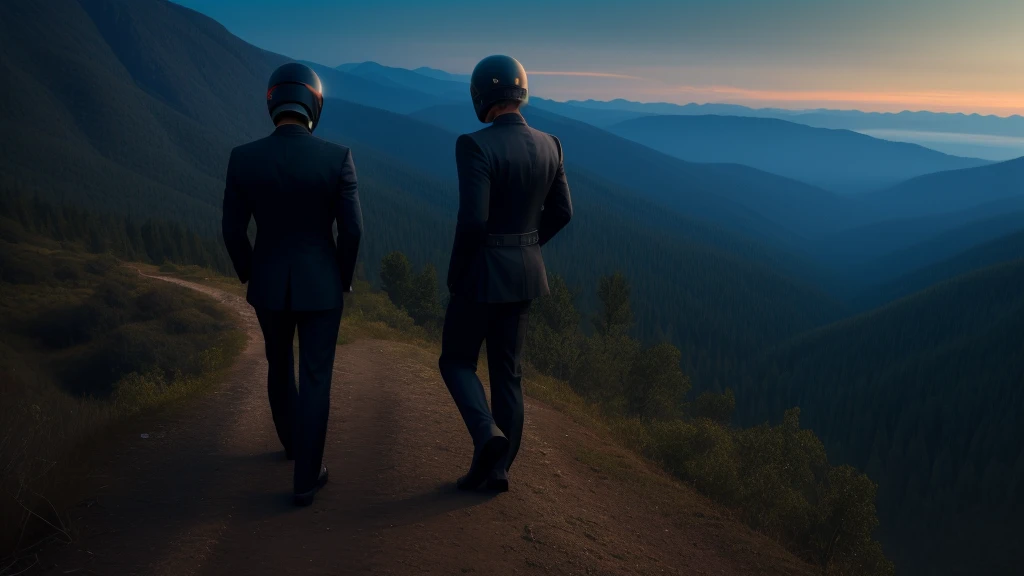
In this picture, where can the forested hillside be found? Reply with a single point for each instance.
(153, 241)
(925, 395)
(1004, 249)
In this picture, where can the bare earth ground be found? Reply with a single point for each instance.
(208, 492)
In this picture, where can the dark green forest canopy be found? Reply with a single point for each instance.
(926, 395)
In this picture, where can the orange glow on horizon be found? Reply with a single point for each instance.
(1009, 103)
(650, 90)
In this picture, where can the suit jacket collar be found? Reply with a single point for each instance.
(510, 118)
(290, 130)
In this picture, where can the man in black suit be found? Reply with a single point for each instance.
(513, 198)
(296, 186)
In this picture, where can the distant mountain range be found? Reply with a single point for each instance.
(838, 160)
(825, 118)
(420, 80)
(991, 138)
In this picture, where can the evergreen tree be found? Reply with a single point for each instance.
(554, 340)
(424, 303)
(656, 384)
(609, 354)
(616, 314)
(396, 279)
(716, 407)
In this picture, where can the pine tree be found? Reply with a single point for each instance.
(554, 340)
(396, 279)
(424, 304)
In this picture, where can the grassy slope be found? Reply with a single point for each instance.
(85, 344)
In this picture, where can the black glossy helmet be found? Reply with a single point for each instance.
(295, 88)
(497, 79)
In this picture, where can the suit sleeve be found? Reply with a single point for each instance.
(235, 222)
(557, 205)
(350, 221)
(474, 204)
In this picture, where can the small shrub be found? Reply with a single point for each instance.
(700, 452)
(67, 271)
(716, 407)
(156, 303)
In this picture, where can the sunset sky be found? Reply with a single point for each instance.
(884, 55)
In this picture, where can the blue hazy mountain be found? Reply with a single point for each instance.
(762, 204)
(826, 118)
(420, 146)
(1005, 248)
(408, 80)
(837, 160)
(692, 109)
(597, 117)
(972, 135)
(952, 191)
(377, 92)
(455, 87)
(995, 148)
(441, 74)
(860, 244)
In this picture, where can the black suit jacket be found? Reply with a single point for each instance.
(511, 181)
(295, 186)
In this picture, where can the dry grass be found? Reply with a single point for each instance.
(46, 431)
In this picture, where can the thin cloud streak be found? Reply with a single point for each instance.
(583, 74)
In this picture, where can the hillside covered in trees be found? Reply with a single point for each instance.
(926, 396)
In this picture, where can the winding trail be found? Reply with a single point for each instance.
(207, 493)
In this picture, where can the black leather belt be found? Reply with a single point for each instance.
(528, 239)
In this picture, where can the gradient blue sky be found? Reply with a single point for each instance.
(942, 55)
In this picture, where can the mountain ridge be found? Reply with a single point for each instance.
(838, 160)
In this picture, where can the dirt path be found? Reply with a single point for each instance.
(207, 493)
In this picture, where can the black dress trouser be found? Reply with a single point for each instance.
(300, 414)
(467, 324)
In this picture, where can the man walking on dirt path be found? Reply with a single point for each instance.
(513, 198)
(295, 186)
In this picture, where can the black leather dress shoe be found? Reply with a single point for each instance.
(497, 481)
(306, 498)
(492, 452)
